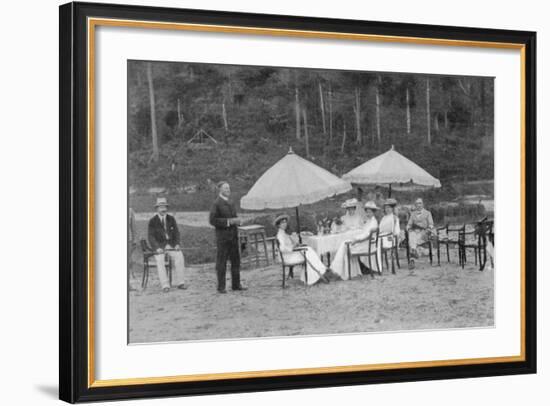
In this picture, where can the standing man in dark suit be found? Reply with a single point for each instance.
(164, 238)
(223, 216)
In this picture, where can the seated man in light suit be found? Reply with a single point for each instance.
(420, 227)
(164, 238)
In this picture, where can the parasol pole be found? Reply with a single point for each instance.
(389, 194)
(298, 225)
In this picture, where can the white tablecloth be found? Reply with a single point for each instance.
(328, 243)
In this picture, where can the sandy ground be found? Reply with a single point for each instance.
(429, 298)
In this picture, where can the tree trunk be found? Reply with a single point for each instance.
(322, 104)
(408, 100)
(483, 109)
(154, 137)
(329, 113)
(297, 107)
(449, 103)
(180, 118)
(358, 116)
(343, 139)
(428, 114)
(225, 124)
(306, 133)
(436, 122)
(377, 93)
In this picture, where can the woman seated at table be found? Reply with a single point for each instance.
(389, 224)
(315, 268)
(358, 244)
(352, 219)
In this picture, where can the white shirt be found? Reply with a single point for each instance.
(370, 224)
(390, 224)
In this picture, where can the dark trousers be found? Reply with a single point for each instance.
(228, 249)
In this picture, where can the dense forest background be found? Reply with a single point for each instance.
(190, 125)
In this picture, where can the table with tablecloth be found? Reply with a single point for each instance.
(326, 244)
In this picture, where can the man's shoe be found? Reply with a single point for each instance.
(222, 291)
(166, 290)
(241, 287)
(183, 286)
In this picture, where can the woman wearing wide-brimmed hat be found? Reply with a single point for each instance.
(360, 243)
(389, 224)
(352, 219)
(315, 268)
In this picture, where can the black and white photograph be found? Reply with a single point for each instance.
(269, 201)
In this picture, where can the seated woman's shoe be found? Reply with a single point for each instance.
(330, 275)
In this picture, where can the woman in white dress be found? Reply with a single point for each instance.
(315, 268)
(389, 224)
(389, 229)
(360, 243)
(352, 219)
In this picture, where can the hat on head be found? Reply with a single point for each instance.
(350, 203)
(280, 218)
(221, 183)
(161, 201)
(371, 205)
(390, 202)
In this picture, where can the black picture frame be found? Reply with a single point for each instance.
(74, 385)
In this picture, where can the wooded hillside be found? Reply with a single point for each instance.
(192, 124)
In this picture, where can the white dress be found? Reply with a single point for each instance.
(339, 264)
(389, 224)
(351, 222)
(315, 267)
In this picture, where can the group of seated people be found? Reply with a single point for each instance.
(363, 219)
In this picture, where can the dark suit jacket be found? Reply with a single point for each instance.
(220, 212)
(159, 237)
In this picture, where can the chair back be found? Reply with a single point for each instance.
(489, 232)
(389, 237)
(278, 245)
(449, 230)
(277, 242)
(373, 240)
(471, 229)
(484, 230)
(372, 244)
(145, 246)
(443, 229)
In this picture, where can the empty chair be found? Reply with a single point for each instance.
(447, 235)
